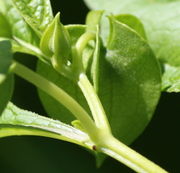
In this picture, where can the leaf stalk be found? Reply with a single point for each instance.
(57, 93)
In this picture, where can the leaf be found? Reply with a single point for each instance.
(129, 82)
(15, 121)
(17, 31)
(5, 59)
(133, 22)
(92, 20)
(53, 108)
(37, 13)
(6, 89)
(5, 30)
(19, 16)
(6, 80)
(171, 79)
(160, 20)
(19, 27)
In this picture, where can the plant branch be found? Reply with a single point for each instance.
(129, 157)
(94, 103)
(57, 93)
(101, 134)
(104, 140)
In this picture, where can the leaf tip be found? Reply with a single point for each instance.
(57, 17)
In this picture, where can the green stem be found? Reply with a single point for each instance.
(88, 90)
(57, 93)
(94, 103)
(83, 40)
(99, 134)
(129, 157)
(104, 140)
(30, 47)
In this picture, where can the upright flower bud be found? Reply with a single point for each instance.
(56, 43)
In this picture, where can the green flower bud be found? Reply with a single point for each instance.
(56, 43)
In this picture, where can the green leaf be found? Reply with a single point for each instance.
(37, 13)
(6, 88)
(160, 20)
(27, 20)
(129, 81)
(5, 30)
(15, 121)
(171, 79)
(19, 27)
(92, 20)
(6, 80)
(5, 59)
(53, 108)
(133, 22)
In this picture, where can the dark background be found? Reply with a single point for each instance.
(159, 142)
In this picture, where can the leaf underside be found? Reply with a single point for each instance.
(15, 121)
(161, 20)
(129, 82)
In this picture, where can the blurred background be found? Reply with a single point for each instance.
(159, 142)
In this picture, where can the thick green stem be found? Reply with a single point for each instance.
(94, 103)
(104, 140)
(117, 150)
(57, 93)
(99, 133)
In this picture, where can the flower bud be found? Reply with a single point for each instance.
(56, 42)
